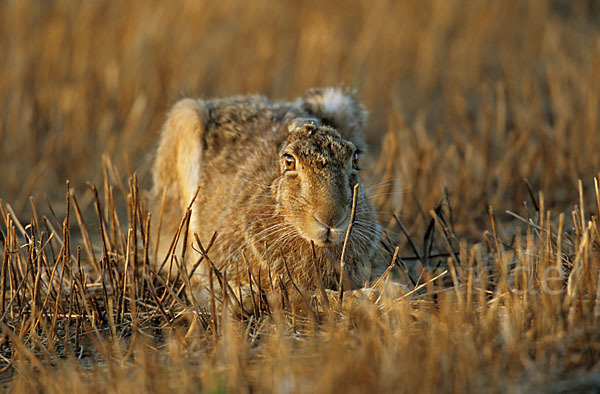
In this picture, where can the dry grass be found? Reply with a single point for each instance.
(478, 108)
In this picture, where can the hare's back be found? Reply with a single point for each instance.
(244, 122)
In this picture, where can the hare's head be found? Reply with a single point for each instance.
(319, 169)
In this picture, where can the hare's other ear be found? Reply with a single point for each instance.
(309, 123)
(337, 108)
(180, 149)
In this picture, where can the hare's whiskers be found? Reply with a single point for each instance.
(381, 185)
(372, 196)
(269, 231)
(263, 234)
(366, 244)
(283, 241)
(386, 213)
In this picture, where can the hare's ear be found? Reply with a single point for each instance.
(337, 108)
(309, 123)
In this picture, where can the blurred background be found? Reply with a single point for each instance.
(468, 96)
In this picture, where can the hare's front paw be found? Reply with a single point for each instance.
(350, 300)
(375, 295)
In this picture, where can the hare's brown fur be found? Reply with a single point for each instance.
(234, 151)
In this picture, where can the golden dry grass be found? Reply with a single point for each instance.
(477, 108)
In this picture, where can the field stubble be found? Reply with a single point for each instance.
(477, 108)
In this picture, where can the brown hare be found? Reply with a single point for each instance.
(272, 177)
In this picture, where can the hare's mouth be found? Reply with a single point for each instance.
(323, 235)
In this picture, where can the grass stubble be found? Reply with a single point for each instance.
(485, 143)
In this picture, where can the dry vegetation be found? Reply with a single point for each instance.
(478, 108)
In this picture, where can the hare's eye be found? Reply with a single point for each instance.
(290, 162)
(355, 161)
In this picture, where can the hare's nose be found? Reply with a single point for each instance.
(331, 220)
